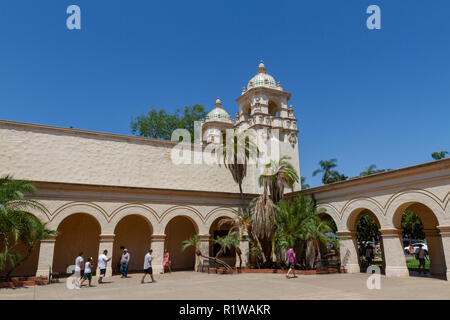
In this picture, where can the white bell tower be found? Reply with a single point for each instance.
(263, 106)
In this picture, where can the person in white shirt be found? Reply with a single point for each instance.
(421, 255)
(79, 265)
(102, 264)
(88, 271)
(148, 266)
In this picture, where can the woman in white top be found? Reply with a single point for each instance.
(88, 271)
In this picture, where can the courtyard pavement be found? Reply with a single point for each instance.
(192, 286)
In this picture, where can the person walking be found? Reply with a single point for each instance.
(421, 254)
(148, 265)
(411, 249)
(79, 265)
(88, 272)
(291, 259)
(369, 254)
(166, 261)
(124, 261)
(102, 264)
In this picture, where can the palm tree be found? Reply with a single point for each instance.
(194, 241)
(438, 155)
(276, 175)
(263, 218)
(225, 243)
(326, 167)
(317, 233)
(298, 225)
(16, 224)
(240, 227)
(369, 170)
(34, 231)
(336, 177)
(236, 156)
(235, 241)
(304, 185)
(240, 223)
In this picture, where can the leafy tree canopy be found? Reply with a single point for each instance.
(159, 124)
(328, 174)
(412, 226)
(366, 229)
(371, 170)
(438, 155)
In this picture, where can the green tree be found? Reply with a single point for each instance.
(412, 226)
(240, 228)
(304, 184)
(194, 241)
(367, 229)
(239, 149)
(225, 243)
(326, 168)
(337, 177)
(438, 155)
(298, 225)
(159, 124)
(369, 170)
(276, 175)
(17, 225)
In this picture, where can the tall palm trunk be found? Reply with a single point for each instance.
(239, 253)
(219, 253)
(310, 253)
(258, 243)
(242, 194)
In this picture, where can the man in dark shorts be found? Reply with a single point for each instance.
(102, 264)
(148, 265)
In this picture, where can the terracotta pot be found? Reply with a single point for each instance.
(7, 284)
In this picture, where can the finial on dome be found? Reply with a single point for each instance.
(218, 103)
(261, 67)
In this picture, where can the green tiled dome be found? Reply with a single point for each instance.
(262, 79)
(218, 113)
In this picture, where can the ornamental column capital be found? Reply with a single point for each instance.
(346, 234)
(204, 237)
(49, 239)
(390, 233)
(444, 231)
(106, 237)
(158, 237)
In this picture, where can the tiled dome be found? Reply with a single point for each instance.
(262, 79)
(218, 113)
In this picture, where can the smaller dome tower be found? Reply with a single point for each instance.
(216, 122)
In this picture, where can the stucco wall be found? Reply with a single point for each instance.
(62, 155)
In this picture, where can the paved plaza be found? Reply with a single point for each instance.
(193, 285)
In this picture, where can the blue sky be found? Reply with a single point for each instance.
(361, 96)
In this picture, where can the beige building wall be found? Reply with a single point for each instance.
(42, 153)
